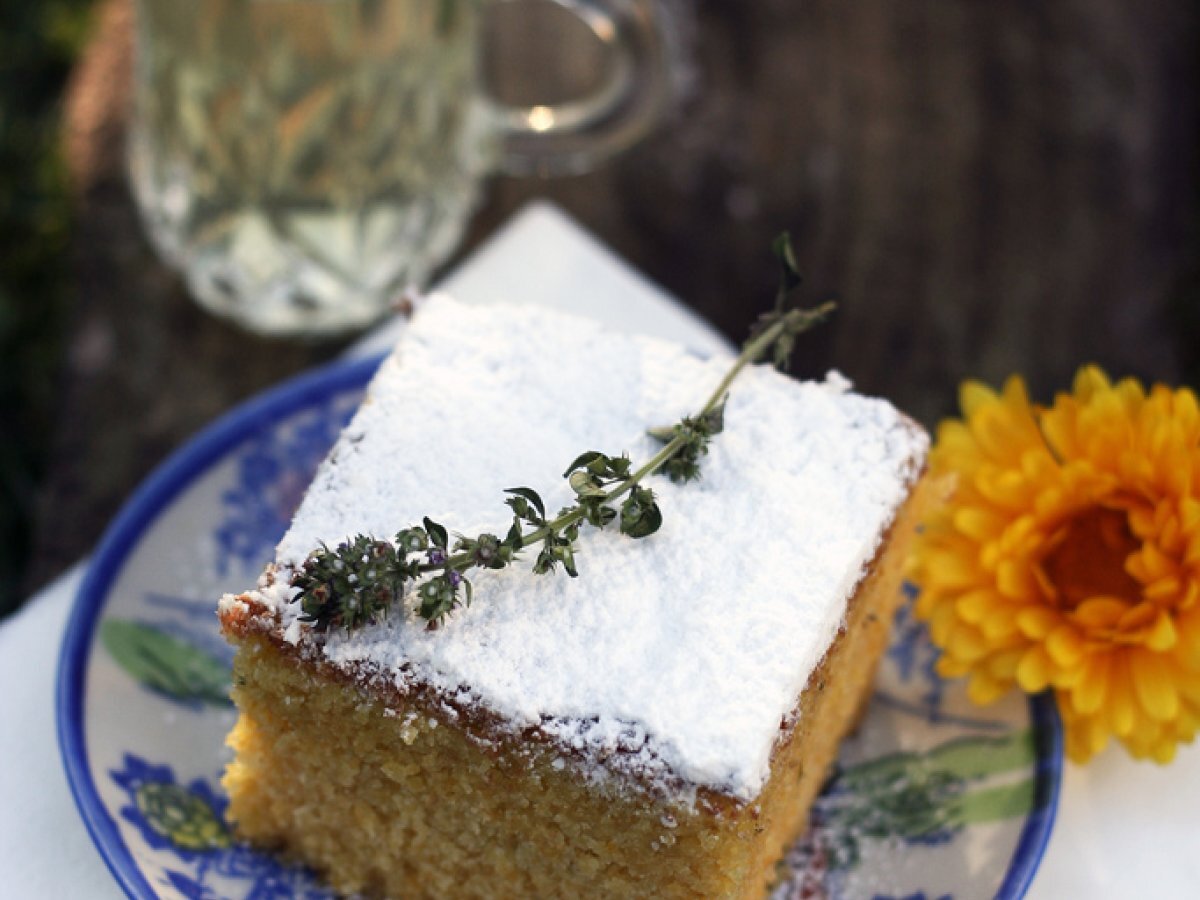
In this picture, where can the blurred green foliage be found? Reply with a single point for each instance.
(39, 39)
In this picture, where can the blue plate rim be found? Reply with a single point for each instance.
(163, 485)
(181, 468)
(1039, 823)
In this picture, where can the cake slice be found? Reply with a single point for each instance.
(657, 727)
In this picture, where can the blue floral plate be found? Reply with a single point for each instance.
(932, 798)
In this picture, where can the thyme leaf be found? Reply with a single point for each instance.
(361, 579)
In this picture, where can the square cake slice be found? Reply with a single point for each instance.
(656, 727)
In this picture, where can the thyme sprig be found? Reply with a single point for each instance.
(361, 579)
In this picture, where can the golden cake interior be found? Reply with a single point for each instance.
(388, 796)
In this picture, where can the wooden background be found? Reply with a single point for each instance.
(988, 187)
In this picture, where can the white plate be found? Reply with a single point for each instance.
(933, 798)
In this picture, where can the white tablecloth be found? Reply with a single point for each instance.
(1124, 829)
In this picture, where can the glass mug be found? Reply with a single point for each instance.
(302, 161)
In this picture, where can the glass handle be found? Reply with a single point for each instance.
(575, 136)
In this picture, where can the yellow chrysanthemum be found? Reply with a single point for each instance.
(1067, 556)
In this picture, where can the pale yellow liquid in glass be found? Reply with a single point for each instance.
(302, 162)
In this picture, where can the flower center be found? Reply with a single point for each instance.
(1088, 558)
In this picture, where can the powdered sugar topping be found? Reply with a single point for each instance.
(687, 649)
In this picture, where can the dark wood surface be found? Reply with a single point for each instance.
(987, 187)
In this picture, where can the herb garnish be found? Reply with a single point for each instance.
(362, 578)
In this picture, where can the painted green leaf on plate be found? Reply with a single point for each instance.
(927, 796)
(166, 664)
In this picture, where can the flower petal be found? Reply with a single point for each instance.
(1016, 580)
(968, 644)
(1152, 684)
(1164, 752)
(1000, 625)
(978, 523)
(1162, 635)
(949, 571)
(1003, 666)
(1035, 670)
(1099, 612)
(1093, 687)
(983, 689)
(974, 396)
(1089, 381)
(1065, 647)
(1137, 618)
(974, 605)
(1122, 709)
(1036, 622)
